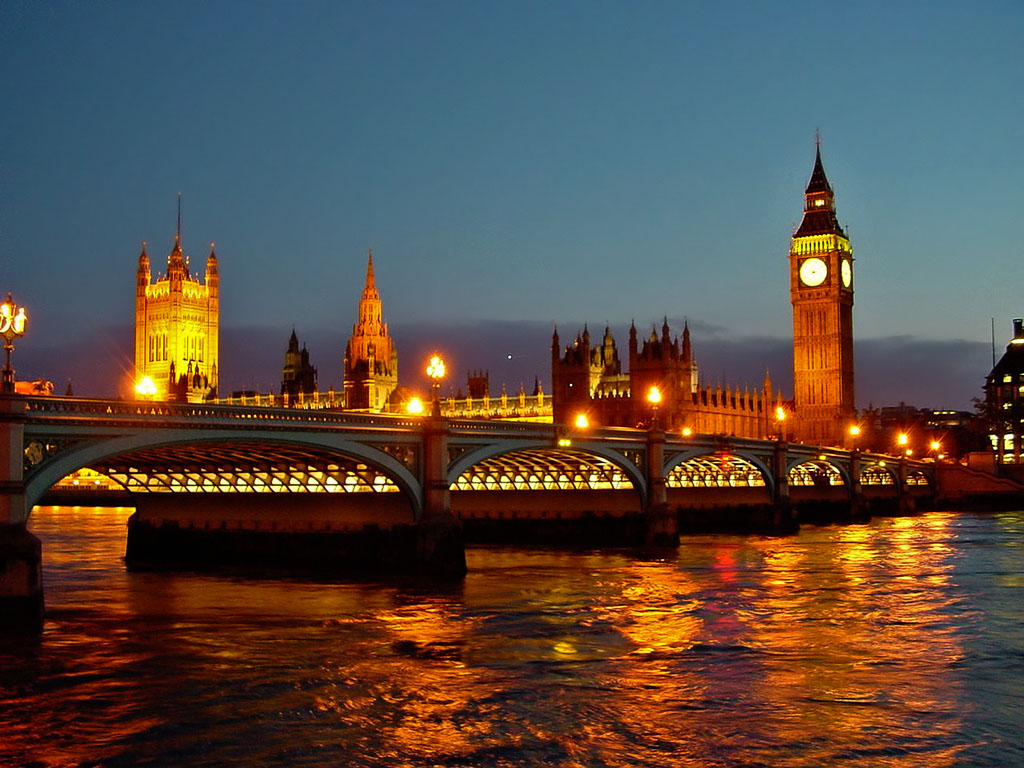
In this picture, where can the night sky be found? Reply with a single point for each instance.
(514, 165)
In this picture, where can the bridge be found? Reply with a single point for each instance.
(401, 492)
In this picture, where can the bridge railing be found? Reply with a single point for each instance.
(67, 409)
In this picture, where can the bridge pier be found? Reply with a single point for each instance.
(661, 523)
(440, 544)
(21, 582)
(784, 515)
(858, 508)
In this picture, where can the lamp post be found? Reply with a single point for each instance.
(436, 370)
(780, 420)
(654, 398)
(12, 326)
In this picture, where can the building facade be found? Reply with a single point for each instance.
(821, 291)
(177, 328)
(1004, 403)
(589, 380)
(371, 359)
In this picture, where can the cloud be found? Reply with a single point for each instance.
(920, 372)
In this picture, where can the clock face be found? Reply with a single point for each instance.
(847, 272)
(813, 271)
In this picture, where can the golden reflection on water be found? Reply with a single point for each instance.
(840, 645)
(863, 660)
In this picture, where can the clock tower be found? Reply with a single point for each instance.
(821, 290)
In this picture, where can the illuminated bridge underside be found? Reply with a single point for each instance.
(543, 484)
(248, 468)
(815, 473)
(715, 472)
(543, 470)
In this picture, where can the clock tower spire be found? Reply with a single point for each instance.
(821, 291)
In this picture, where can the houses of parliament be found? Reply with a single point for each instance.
(176, 345)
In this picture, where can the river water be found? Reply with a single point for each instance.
(894, 643)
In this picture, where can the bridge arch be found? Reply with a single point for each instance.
(552, 461)
(820, 470)
(877, 473)
(698, 464)
(318, 444)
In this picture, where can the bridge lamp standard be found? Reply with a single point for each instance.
(902, 440)
(582, 422)
(436, 372)
(686, 432)
(780, 421)
(146, 388)
(654, 398)
(854, 434)
(414, 406)
(12, 326)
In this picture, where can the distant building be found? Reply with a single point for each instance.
(371, 358)
(589, 380)
(927, 433)
(177, 326)
(1004, 401)
(298, 376)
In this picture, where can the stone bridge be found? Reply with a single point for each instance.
(208, 475)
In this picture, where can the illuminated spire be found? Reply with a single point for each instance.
(370, 290)
(819, 181)
(819, 203)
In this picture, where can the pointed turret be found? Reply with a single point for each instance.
(687, 350)
(370, 290)
(143, 276)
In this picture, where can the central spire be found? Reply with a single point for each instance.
(370, 290)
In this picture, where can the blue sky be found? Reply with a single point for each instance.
(512, 163)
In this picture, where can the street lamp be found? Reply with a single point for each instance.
(414, 406)
(654, 398)
(436, 371)
(146, 388)
(780, 419)
(12, 326)
(582, 422)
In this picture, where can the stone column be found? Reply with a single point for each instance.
(784, 516)
(906, 503)
(662, 528)
(21, 583)
(440, 548)
(858, 510)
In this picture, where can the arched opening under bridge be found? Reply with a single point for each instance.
(717, 479)
(240, 485)
(544, 493)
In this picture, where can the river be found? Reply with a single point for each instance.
(894, 643)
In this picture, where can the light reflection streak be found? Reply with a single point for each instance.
(842, 645)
